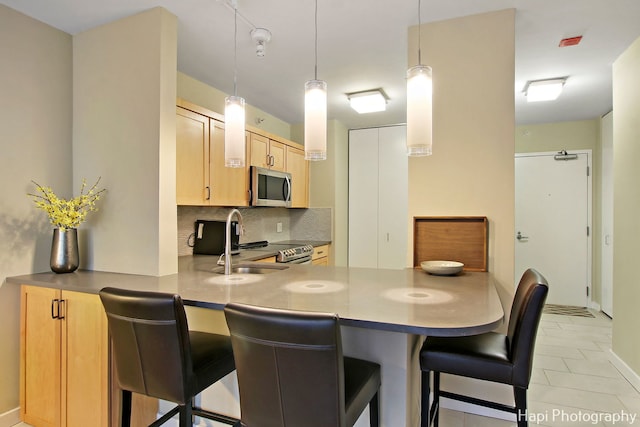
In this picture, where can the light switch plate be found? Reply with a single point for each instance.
(279, 227)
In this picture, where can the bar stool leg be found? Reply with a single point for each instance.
(125, 409)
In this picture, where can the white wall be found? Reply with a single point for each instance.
(124, 86)
(35, 144)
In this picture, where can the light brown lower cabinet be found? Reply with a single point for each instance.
(64, 362)
(320, 255)
(64, 375)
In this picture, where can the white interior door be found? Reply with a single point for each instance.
(378, 197)
(363, 198)
(393, 190)
(553, 224)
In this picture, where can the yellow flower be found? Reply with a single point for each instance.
(65, 214)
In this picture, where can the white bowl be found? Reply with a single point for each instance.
(442, 268)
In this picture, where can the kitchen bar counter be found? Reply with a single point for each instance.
(409, 301)
(385, 313)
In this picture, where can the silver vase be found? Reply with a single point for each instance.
(64, 251)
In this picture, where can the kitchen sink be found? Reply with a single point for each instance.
(255, 268)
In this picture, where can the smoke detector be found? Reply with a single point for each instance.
(261, 36)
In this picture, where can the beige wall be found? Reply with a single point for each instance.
(209, 97)
(626, 205)
(35, 141)
(329, 186)
(124, 86)
(471, 171)
(573, 136)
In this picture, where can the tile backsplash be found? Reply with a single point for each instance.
(259, 224)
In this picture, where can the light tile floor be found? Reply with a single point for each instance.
(572, 375)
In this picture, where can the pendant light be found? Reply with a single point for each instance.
(419, 104)
(234, 116)
(315, 111)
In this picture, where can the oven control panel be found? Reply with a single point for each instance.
(289, 254)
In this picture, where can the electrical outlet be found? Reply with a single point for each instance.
(279, 227)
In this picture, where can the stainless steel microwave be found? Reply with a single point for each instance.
(270, 188)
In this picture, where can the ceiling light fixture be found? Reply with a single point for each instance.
(261, 36)
(419, 104)
(315, 111)
(544, 90)
(234, 115)
(368, 101)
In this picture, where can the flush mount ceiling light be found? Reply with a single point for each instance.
(419, 105)
(315, 111)
(368, 101)
(544, 90)
(234, 115)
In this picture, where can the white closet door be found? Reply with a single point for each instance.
(363, 198)
(392, 197)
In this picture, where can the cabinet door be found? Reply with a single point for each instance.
(259, 150)
(277, 154)
(297, 166)
(192, 158)
(40, 380)
(85, 373)
(229, 186)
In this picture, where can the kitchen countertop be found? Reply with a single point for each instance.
(409, 300)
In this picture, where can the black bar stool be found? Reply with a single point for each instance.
(156, 354)
(291, 371)
(491, 356)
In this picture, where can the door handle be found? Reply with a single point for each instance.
(520, 237)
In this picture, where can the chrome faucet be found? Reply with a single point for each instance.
(227, 237)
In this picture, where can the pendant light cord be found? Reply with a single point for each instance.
(235, 52)
(419, 33)
(316, 42)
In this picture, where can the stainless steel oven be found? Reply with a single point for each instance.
(295, 254)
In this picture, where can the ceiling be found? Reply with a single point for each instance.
(362, 44)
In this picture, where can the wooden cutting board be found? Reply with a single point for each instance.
(451, 238)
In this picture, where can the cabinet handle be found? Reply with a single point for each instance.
(61, 309)
(59, 303)
(208, 192)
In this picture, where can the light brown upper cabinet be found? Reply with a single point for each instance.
(202, 178)
(298, 167)
(267, 153)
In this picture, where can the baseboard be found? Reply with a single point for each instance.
(469, 408)
(625, 370)
(10, 418)
(594, 305)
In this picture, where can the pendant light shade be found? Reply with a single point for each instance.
(419, 103)
(419, 110)
(315, 120)
(234, 140)
(315, 110)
